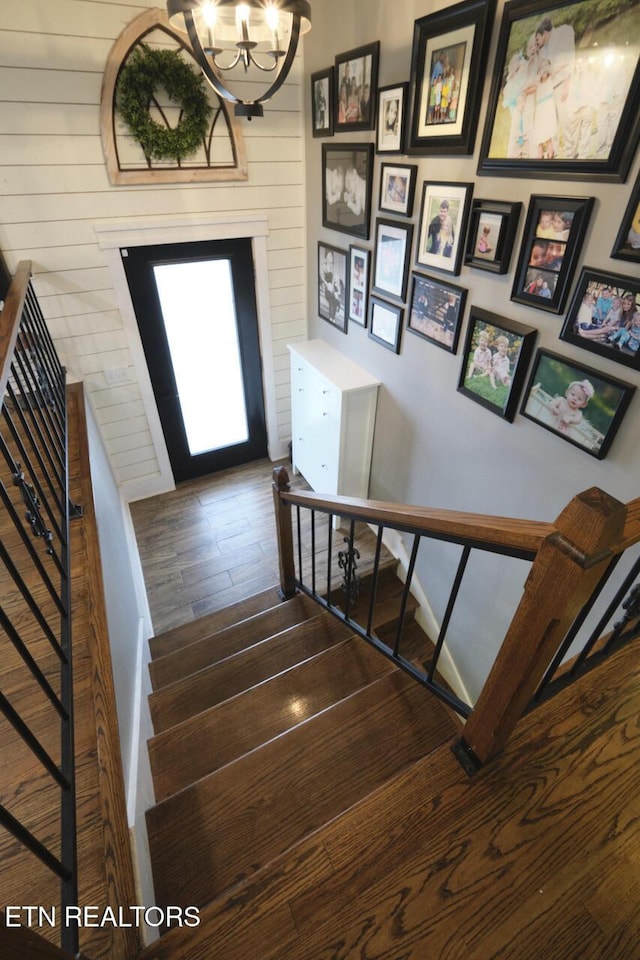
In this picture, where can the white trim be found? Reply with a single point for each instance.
(112, 236)
(425, 615)
(132, 786)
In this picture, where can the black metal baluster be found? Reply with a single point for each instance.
(453, 596)
(374, 580)
(405, 593)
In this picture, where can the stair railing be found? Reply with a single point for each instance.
(35, 582)
(573, 565)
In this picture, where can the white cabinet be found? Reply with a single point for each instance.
(333, 411)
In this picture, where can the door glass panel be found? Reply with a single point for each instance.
(199, 315)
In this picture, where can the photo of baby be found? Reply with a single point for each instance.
(576, 403)
(487, 242)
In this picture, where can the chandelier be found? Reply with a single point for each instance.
(251, 37)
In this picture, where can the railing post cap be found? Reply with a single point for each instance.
(280, 478)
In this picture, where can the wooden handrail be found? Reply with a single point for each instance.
(522, 537)
(10, 320)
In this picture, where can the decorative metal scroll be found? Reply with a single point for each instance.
(631, 607)
(347, 563)
(222, 156)
(32, 504)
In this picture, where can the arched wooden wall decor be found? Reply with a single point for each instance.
(222, 155)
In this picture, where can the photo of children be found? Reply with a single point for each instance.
(358, 279)
(445, 73)
(605, 317)
(575, 403)
(354, 91)
(491, 359)
(436, 311)
(332, 277)
(347, 188)
(540, 283)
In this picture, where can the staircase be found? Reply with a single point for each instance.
(272, 720)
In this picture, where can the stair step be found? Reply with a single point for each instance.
(177, 637)
(211, 648)
(206, 742)
(191, 695)
(229, 824)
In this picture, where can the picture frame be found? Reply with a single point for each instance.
(359, 260)
(322, 102)
(392, 115)
(553, 237)
(449, 51)
(346, 187)
(604, 316)
(436, 309)
(444, 214)
(560, 106)
(356, 87)
(495, 360)
(627, 242)
(385, 323)
(397, 188)
(391, 258)
(332, 285)
(547, 402)
(491, 235)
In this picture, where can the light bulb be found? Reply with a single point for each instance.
(242, 12)
(209, 13)
(272, 17)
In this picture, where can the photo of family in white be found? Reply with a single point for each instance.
(566, 80)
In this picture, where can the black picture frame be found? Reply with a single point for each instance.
(436, 309)
(439, 248)
(627, 242)
(495, 360)
(392, 118)
(357, 69)
(604, 316)
(332, 285)
(455, 39)
(322, 102)
(491, 235)
(551, 378)
(397, 188)
(385, 323)
(550, 88)
(359, 264)
(553, 237)
(347, 178)
(392, 251)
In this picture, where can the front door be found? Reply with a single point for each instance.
(196, 310)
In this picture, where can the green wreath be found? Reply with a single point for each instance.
(144, 72)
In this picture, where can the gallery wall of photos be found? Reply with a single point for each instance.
(560, 109)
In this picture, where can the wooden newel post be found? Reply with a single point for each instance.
(565, 572)
(284, 531)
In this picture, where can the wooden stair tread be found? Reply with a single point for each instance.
(206, 742)
(177, 637)
(211, 648)
(191, 695)
(230, 823)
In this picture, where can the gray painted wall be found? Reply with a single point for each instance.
(434, 446)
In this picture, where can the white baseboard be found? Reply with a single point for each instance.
(146, 487)
(424, 614)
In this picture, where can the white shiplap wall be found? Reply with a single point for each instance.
(54, 188)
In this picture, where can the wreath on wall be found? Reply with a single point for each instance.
(145, 71)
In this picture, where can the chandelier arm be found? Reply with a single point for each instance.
(288, 60)
(234, 62)
(203, 63)
(259, 65)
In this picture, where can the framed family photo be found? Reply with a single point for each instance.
(346, 187)
(627, 243)
(391, 258)
(494, 364)
(322, 103)
(448, 64)
(332, 285)
(604, 316)
(358, 284)
(397, 188)
(356, 88)
(580, 405)
(553, 237)
(565, 91)
(392, 109)
(436, 310)
(443, 222)
(385, 323)
(492, 231)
